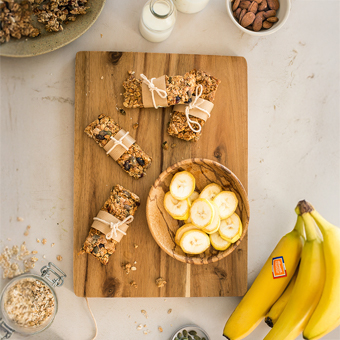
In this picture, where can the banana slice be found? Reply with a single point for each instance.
(182, 185)
(210, 191)
(180, 231)
(226, 202)
(195, 242)
(193, 197)
(231, 228)
(215, 223)
(188, 220)
(201, 212)
(218, 242)
(179, 210)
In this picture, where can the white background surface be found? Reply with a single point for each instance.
(293, 82)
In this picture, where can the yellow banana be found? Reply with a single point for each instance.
(326, 316)
(307, 290)
(266, 289)
(281, 303)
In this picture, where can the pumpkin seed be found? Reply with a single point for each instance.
(196, 337)
(179, 335)
(185, 332)
(192, 332)
(190, 338)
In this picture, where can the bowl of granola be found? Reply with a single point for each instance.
(34, 27)
(189, 214)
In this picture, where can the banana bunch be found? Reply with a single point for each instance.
(307, 298)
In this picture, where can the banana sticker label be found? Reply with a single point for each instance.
(278, 267)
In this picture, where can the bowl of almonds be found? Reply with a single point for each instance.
(258, 17)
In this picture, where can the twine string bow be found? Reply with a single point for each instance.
(152, 89)
(114, 226)
(118, 142)
(193, 105)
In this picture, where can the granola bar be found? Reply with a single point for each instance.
(134, 161)
(121, 204)
(179, 90)
(178, 126)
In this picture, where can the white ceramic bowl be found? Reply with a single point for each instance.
(282, 14)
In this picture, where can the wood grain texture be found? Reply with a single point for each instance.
(99, 77)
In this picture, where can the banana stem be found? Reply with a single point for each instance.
(299, 225)
(310, 227)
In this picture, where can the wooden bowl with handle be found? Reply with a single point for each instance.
(163, 227)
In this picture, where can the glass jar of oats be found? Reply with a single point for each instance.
(28, 303)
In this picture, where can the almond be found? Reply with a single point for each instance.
(253, 7)
(257, 24)
(247, 19)
(263, 5)
(270, 13)
(236, 4)
(243, 12)
(267, 24)
(237, 13)
(273, 4)
(273, 19)
(258, 1)
(245, 4)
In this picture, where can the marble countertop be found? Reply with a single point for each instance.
(293, 84)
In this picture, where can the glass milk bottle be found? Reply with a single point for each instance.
(157, 20)
(190, 6)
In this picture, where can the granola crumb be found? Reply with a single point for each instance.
(34, 259)
(34, 252)
(38, 241)
(135, 126)
(140, 326)
(169, 311)
(135, 245)
(122, 111)
(144, 313)
(52, 245)
(165, 145)
(127, 267)
(133, 284)
(44, 241)
(20, 219)
(101, 35)
(160, 329)
(26, 233)
(160, 282)
(28, 227)
(59, 258)
(102, 77)
(44, 256)
(173, 145)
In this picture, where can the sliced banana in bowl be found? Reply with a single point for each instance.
(218, 242)
(195, 242)
(210, 191)
(193, 197)
(215, 223)
(201, 212)
(231, 228)
(227, 203)
(182, 185)
(180, 232)
(178, 209)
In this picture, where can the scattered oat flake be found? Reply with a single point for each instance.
(59, 258)
(26, 233)
(28, 227)
(173, 145)
(127, 267)
(135, 126)
(133, 268)
(101, 35)
(133, 284)
(20, 219)
(38, 240)
(52, 245)
(34, 252)
(140, 326)
(160, 329)
(165, 145)
(44, 256)
(102, 77)
(169, 311)
(44, 241)
(144, 313)
(135, 245)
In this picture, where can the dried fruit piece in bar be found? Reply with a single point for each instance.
(133, 161)
(121, 204)
(178, 126)
(179, 90)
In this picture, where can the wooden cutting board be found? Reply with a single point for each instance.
(98, 89)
